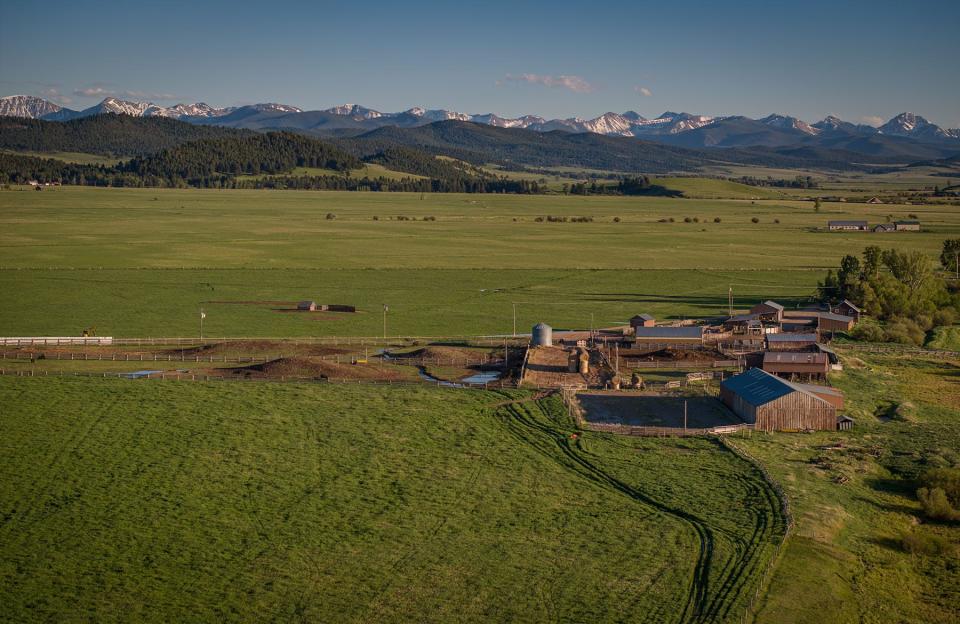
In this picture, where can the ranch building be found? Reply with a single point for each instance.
(791, 342)
(307, 306)
(856, 226)
(774, 404)
(911, 225)
(848, 308)
(768, 311)
(642, 320)
(824, 321)
(688, 334)
(793, 365)
(884, 228)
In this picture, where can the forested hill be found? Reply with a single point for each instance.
(481, 144)
(108, 135)
(274, 152)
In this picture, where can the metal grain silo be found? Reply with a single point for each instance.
(542, 335)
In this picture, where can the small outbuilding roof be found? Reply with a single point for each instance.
(791, 337)
(687, 331)
(772, 304)
(758, 387)
(850, 304)
(645, 317)
(789, 357)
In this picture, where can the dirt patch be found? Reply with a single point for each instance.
(324, 369)
(252, 347)
(655, 411)
(670, 354)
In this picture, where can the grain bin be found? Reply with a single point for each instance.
(542, 335)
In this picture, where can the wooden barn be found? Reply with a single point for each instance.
(773, 404)
(848, 308)
(791, 342)
(642, 320)
(768, 311)
(824, 321)
(794, 365)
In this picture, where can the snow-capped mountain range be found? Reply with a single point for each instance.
(628, 124)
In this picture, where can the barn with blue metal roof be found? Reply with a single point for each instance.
(773, 404)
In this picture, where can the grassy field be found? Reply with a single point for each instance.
(80, 158)
(142, 262)
(370, 170)
(166, 501)
(855, 502)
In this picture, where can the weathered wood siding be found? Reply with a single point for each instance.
(796, 411)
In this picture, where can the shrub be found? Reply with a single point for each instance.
(776, 220)
(917, 543)
(755, 220)
(696, 219)
(936, 505)
(868, 331)
(687, 220)
(616, 219)
(376, 218)
(331, 216)
(538, 220)
(670, 219)
(716, 219)
(905, 331)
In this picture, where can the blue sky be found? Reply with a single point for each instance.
(858, 60)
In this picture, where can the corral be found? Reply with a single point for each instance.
(639, 410)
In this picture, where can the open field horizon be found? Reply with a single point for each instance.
(142, 262)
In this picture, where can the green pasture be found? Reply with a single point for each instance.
(853, 497)
(179, 501)
(144, 261)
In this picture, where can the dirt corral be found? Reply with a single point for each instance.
(550, 367)
(673, 354)
(641, 410)
(316, 368)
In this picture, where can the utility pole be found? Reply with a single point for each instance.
(514, 319)
(385, 310)
(203, 315)
(730, 301)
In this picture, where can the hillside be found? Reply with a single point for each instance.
(106, 135)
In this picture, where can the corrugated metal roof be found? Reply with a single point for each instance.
(809, 314)
(817, 389)
(773, 304)
(850, 305)
(645, 317)
(791, 337)
(758, 387)
(689, 331)
(863, 223)
(789, 357)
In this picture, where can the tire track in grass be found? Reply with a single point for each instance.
(530, 430)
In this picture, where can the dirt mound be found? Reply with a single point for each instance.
(669, 354)
(266, 347)
(321, 369)
(443, 352)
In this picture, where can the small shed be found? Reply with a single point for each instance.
(910, 225)
(768, 311)
(791, 342)
(883, 228)
(849, 308)
(773, 404)
(844, 423)
(806, 364)
(856, 226)
(642, 320)
(874, 200)
(686, 334)
(307, 306)
(828, 321)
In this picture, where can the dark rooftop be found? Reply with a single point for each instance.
(688, 331)
(791, 337)
(758, 387)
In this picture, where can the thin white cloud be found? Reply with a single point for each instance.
(100, 91)
(645, 92)
(93, 92)
(577, 84)
(52, 94)
(872, 120)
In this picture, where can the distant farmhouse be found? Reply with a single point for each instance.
(857, 226)
(906, 225)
